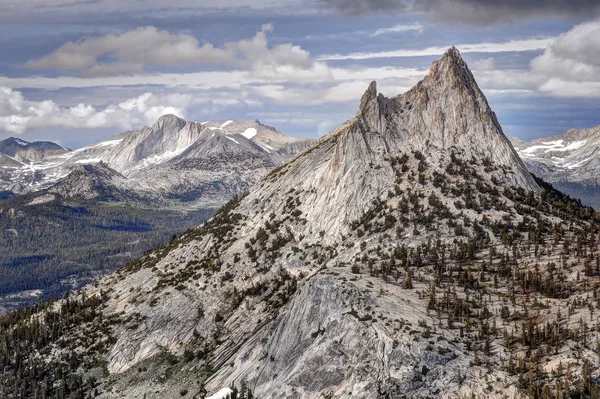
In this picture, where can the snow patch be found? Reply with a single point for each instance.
(264, 149)
(21, 142)
(223, 393)
(574, 145)
(32, 167)
(108, 143)
(575, 165)
(557, 145)
(89, 160)
(232, 139)
(250, 132)
(160, 158)
(225, 124)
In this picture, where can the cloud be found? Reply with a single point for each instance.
(575, 55)
(513, 45)
(479, 12)
(484, 64)
(570, 65)
(560, 88)
(216, 80)
(398, 29)
(130, 52)
(18, 114)
(282, 78)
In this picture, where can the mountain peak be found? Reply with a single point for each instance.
(444, 113)
(369, 94)
(170, 121)
(369, 106)
(17, 140)
(14, 140)
(451, 70)
(453, 53)
(452, 57)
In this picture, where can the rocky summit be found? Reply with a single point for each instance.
(408, 253)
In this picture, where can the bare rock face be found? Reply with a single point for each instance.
(569, 161)
(390, 259)
(9, 162)
(445, 112)
(335, 336)
(24, 151)
(168, 136)
(100, 182)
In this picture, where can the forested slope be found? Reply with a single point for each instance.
(61, 245)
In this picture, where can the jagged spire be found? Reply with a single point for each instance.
(369, 106)
(452, 69)
(369, 95)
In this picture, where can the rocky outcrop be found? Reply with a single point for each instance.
(9, 162)
(100, 182)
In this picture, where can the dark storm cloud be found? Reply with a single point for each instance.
(469, 11)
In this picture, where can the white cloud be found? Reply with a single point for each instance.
(485, 64)
(131, 51)
(398, 29)
(326, 126)
(568, 67)
(208, 79)
(513, 45)
(573, 56)
(560, 88)
(282, 76)
(508, 79)
(18, 114)
(219, 79)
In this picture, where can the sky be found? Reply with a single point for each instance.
(78, 71)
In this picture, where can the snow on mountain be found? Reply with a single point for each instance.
(570, 161)
(161, 159)
(8, 162)
(23, 151)
(249, 133)
(223, 393)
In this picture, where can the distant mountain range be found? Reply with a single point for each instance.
(173, 164)
(570, 161)
(69, 216)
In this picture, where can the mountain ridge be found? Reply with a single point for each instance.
(24, 151)
(159, 154)
(569, 161)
